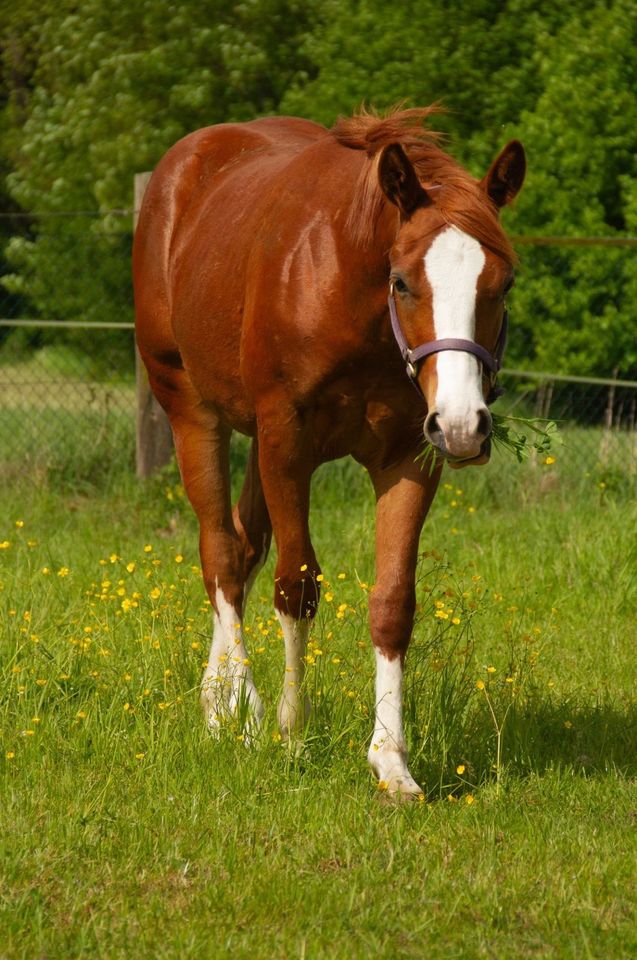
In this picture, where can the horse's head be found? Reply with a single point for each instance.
(450, 283)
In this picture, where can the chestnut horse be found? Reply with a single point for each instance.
(261, 263)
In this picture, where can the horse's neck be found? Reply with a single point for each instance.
(369, 262)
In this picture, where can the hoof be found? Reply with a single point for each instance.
(395, 782)
(294, 748)
(231, 701)
(400, 790)
(212, 706)
(293, 718)
(212, 718)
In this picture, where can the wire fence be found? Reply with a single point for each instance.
(67, 400)
(68, 407)
(67, 360)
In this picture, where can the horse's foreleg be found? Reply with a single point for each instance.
(285, 463)
(404, 494)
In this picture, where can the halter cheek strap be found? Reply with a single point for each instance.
(412, 357)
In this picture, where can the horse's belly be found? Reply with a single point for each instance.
(213, 372)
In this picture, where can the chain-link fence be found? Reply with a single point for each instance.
(595, 419)
(68, 406)
(67, 363)
(67, 400)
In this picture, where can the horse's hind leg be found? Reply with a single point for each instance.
(232, 548)
(286, 463)
(252, 522)
(202, 443)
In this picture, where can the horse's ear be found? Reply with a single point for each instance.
(399, 181)
(504, 180)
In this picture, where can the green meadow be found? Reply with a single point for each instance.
(128, 832)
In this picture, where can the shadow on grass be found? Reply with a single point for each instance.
(538, 736)
(586, 738)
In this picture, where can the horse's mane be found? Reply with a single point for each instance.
(461, 201)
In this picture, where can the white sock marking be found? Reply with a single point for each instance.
(388, 751)
(293, 707)
(228, 677)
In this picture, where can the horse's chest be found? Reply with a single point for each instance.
(337, 421)
(372, 426)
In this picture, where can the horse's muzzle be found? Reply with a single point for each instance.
(483, 457)
(458, 442)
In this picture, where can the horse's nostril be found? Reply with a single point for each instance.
(432, 426)
(484, 423)
(434, 432)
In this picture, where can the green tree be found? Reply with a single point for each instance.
(576, 306)
(560, 77)
(111, 88)
(90, 96)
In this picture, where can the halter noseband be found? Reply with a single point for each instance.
(412, 357)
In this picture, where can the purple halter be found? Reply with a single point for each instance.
(412, 357)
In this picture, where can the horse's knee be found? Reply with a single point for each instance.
(391, 614)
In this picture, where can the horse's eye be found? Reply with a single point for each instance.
(508, 286)
(399, 285)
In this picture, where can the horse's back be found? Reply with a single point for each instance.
(189, 169)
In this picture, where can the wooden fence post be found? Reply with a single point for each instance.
(153, 440)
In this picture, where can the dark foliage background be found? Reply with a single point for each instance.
(92, 93)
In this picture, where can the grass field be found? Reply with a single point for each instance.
(127, 832)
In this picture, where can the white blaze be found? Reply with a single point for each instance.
(453, 264)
